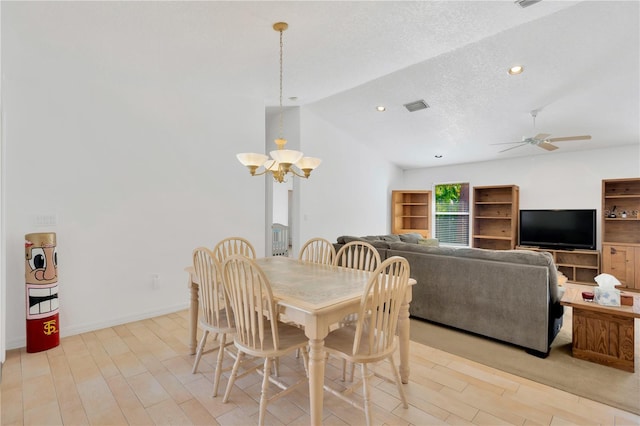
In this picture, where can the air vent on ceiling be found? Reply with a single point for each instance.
(416, 106)
(526, 3)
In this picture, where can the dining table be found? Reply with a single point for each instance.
(315, 296)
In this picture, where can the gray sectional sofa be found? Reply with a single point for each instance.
(508, 295)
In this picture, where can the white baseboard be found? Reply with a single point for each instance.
(83, 328)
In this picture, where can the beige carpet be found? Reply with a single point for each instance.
(559, 370)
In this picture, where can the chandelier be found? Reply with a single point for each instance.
(283, 161)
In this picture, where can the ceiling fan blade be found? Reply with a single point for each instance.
(514, 147)
(548, 146)
(571, 138)
(541, 136)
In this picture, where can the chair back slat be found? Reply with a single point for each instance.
(213, 304)
(318, 250)
(358, 255)
(233, 245)
(279, 240)
(251, 299)
(380, 306)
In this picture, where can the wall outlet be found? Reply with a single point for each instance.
(155, 281)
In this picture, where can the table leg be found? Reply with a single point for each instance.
(316, 379)
(403, 334)
(193, 316)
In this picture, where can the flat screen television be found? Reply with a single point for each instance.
(558, 229)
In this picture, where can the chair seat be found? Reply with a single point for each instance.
(289, 336)
(223, 326)
(340, 343)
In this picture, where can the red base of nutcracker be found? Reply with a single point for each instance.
(42, 334)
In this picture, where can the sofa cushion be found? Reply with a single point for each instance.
(527, 257)
(433, 242)
(391, 238)
(349, 238)
(410, 238)
(379, 244)
(376, 243)
(419, 248)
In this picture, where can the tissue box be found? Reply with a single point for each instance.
(607, 297)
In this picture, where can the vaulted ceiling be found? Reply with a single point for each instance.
(342, 59)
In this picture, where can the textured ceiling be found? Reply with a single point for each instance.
(582, 64)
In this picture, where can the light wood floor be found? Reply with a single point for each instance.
(140, 373)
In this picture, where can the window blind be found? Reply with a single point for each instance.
(452, 214)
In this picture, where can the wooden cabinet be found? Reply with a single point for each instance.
(604, 336)
(411, 212)
(495, 217)
(623, 262)
(621, 234)
(579, 266)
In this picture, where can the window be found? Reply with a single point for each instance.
(452, 213)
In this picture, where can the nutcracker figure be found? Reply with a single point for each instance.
(41, 277)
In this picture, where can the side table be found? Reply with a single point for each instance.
(602, 334)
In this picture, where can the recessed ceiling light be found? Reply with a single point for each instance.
(293, 98)
(438, 156)
(515, 70)
(380, 108)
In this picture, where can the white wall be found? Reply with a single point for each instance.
(138, 167)
(281, 202)
(553, 180)
(349, 194)
(291, 132)
(2, 239)
(137, 172)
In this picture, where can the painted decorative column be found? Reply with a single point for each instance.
(41, 277)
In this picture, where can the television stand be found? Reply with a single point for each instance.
(579, 266)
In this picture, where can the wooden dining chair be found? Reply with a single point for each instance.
(318, 250)
(259, 333)
(215, 312)
(233, 245)
(373, 337)
(222, 250)
(279, 240)
(355, 255)
(358, 255)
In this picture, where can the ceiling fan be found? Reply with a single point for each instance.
(541, 140)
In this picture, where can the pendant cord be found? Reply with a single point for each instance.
(280, 125)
